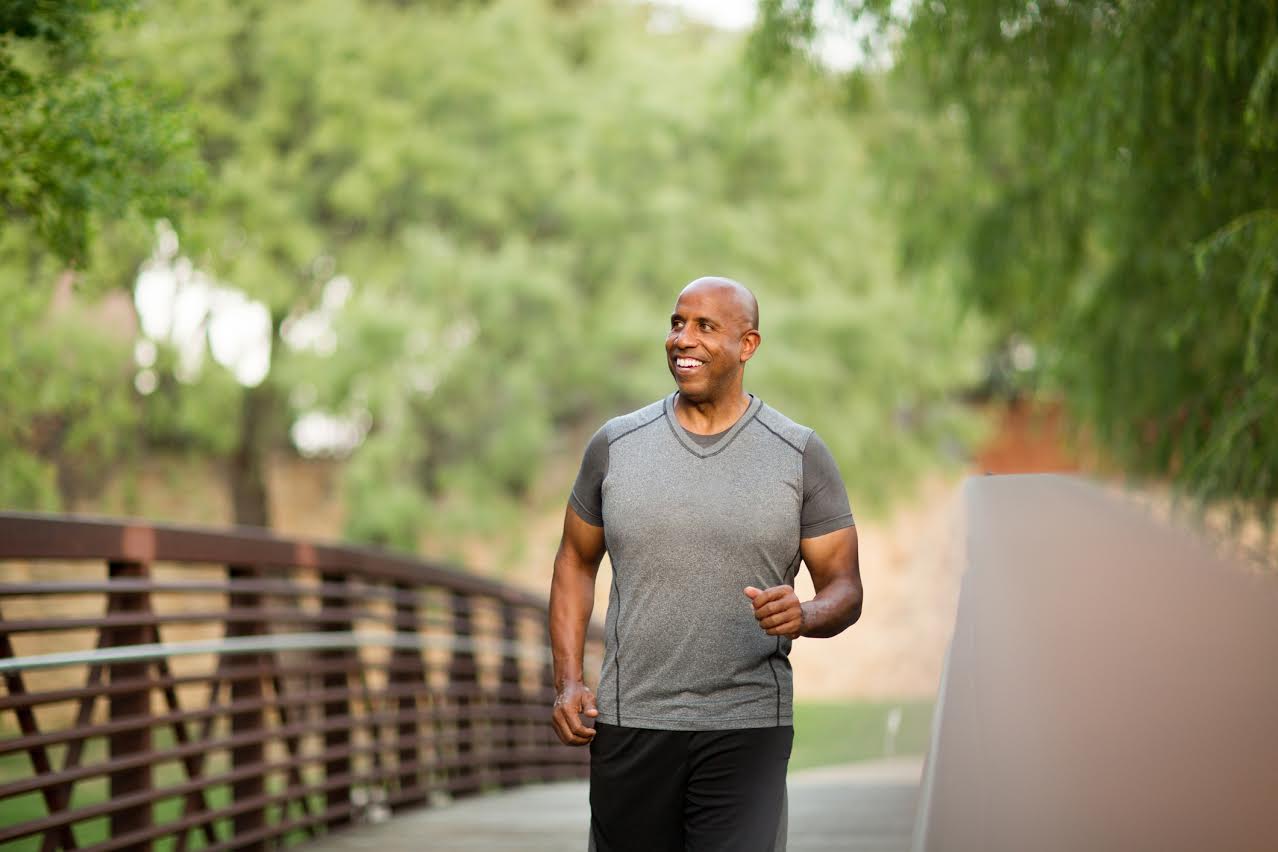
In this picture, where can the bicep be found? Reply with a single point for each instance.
(582, 541)
(831, 557)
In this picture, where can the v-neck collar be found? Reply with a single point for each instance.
(718, 446)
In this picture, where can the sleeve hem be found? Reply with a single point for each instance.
(582, 512)
(824, 527)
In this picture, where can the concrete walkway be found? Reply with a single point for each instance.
(861, 807)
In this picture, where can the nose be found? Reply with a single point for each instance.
(684, 338)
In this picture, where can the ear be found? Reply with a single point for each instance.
(749, 344)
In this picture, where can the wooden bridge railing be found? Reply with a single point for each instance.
(234, 690)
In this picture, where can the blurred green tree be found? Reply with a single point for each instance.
(66, 397)
(84, 150)
(1120, 189)
(517, 206)
(81, 143)
(467, 228)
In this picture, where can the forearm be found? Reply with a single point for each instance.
(572, 598)
(834, 609)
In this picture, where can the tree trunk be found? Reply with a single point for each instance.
(249, 495)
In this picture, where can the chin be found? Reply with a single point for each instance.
(692, 394)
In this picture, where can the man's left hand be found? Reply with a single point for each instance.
(777, 610)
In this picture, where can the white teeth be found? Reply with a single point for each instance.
(688, 362)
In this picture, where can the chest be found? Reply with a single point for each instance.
(743, 501)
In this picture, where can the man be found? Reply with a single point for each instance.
(705, 502)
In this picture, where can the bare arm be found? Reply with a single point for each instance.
(833, 562)
(572, 597)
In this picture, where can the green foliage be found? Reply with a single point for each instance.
(787, 27)
(200, 416)
(1121, 194)
(1133, 220)
(67, 397)
(85, 153)
(517, 194)
(80, 144)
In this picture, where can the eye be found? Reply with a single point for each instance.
(674, 324)
(705, 326)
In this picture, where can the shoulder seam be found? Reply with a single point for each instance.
(659, 415)
(780, 437)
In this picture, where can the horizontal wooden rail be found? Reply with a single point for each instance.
(67, 537)
(266, 587)
(345, 640)
(319, 684)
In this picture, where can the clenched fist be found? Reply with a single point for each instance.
(777, 610)
(574, 701)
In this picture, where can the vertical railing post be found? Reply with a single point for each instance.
(340, 706)
(245, 674)
(132, 704)
(409, 675)
(508, 700)
(462, 677)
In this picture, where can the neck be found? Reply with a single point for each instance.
(708, 417)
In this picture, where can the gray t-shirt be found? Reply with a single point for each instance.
(689, 522)
(825, 500)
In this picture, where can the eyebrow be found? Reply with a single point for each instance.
(677, 316)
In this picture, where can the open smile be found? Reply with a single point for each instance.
(684, 364)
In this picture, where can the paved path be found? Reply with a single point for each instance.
(861, 807)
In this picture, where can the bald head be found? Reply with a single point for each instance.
(714, 330)
(738, 296)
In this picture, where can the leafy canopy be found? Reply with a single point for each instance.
(79, 142)
(1121, 213)
(84, 151)
(468, 227)
(516, 193)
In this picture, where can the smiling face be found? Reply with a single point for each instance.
(712, 335)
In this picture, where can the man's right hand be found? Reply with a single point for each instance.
(573, 701)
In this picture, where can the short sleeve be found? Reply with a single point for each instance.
(587, 492)
(825, 500)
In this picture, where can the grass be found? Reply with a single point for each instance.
(833, 732)
(30, 806)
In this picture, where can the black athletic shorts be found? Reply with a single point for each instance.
(671, 791)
